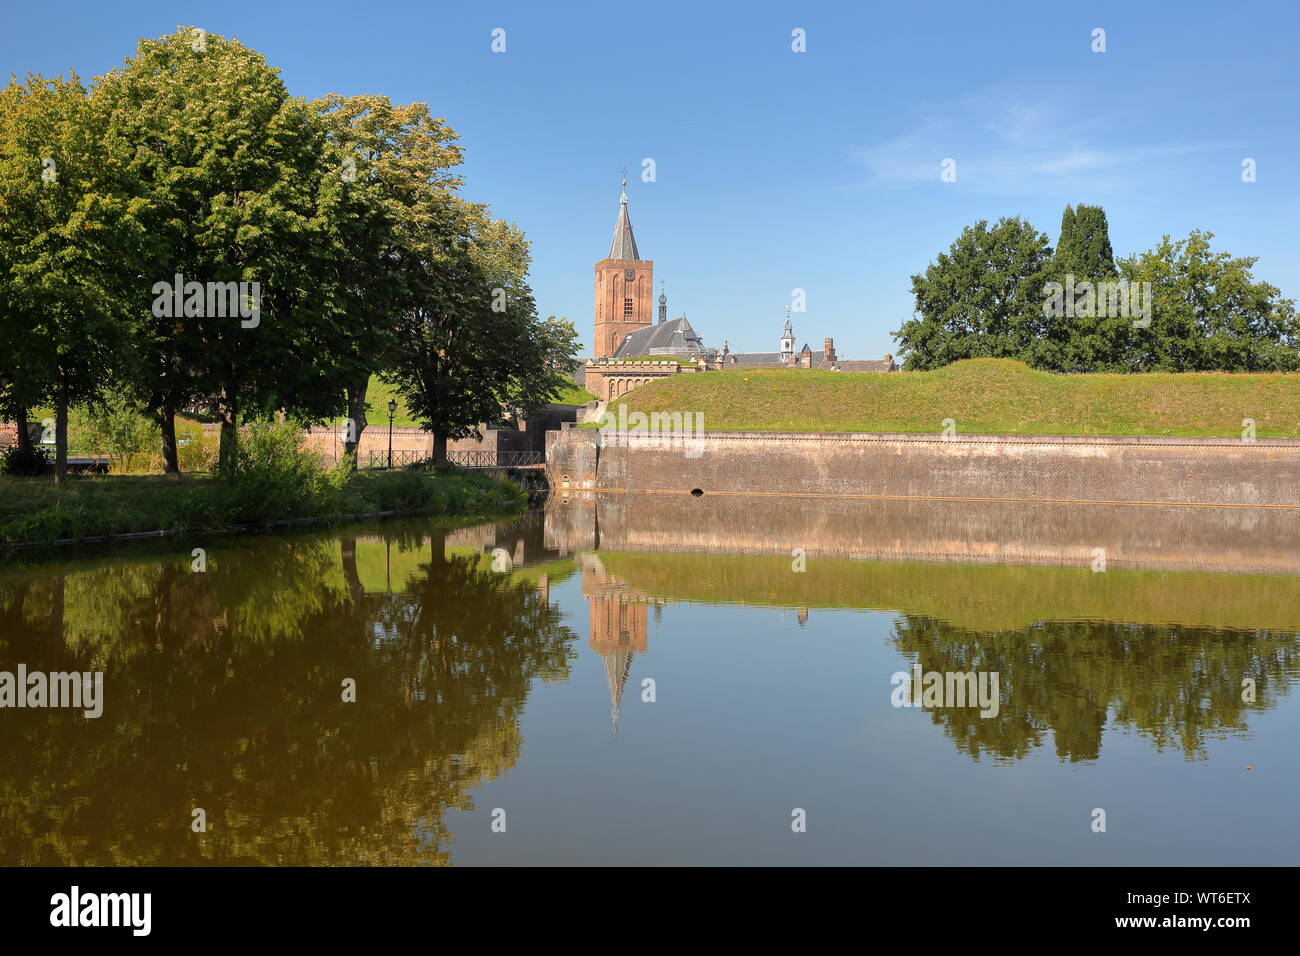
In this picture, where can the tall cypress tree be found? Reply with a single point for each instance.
(1088, 343)
(1084, 247)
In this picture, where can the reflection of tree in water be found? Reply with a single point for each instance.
(1177, 686)
(222, 691)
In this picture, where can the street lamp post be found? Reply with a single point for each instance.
(392, 410)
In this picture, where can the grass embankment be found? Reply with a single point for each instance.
(573, 394)
(32, 510)
(982, 396)
(379, 393)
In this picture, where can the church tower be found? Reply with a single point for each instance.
(787, 339)
(624, 287)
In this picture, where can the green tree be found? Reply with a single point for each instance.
(237, 184)
(116, 425)
(1086, 339)
(1084, 246)
(981, 299)
(64, 227)
(1208, 313)
(398, 158)
(472, 347)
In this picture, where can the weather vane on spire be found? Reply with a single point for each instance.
(625, 174)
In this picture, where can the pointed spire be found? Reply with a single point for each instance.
(624, 244)
(663, 304)
(617, 666)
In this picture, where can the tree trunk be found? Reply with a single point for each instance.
(357, 414)
(229, 439)
(24, 433)
(171, 458)
(439, 450)
(61, 430)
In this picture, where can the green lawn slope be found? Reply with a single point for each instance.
(378, 394)
(982, 396)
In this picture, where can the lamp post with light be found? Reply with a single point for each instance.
(392, 410)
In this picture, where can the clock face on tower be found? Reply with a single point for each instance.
(629, 275)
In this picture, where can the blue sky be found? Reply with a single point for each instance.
(778, 170)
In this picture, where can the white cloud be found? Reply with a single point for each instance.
(1003, 143)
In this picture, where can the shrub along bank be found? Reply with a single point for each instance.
(275, 479)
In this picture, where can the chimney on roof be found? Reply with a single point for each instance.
(830, 350)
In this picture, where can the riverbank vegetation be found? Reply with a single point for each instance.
(982, 396)
(146, 262)
(1001, 291)
(276, 478)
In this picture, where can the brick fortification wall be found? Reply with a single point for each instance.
(328, 442)
(1151, 470)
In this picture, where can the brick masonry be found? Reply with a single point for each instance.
(413, 441)
(624, 289)
(1041, 468)
(611, 379)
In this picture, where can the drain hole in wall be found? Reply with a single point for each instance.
(697, 492)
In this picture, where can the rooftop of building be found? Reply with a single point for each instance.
(674, 338)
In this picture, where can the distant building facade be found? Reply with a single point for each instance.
(633, 350)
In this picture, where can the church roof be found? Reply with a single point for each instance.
(664, 338)
(756, 358)
(624, 244)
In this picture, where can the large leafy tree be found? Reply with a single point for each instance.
(239, 184)
(22, 380)
(983, 298)
(472, 346)
(398, 161)
(64, 225)
(987, 297)
(1209, 313)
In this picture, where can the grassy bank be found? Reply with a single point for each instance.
(379, 393)
(989, 396)
(33, 510)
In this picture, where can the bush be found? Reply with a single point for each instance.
(196, 451)
(276, 476)
(115, 427)
(23, 464)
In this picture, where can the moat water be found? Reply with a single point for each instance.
(548, 690)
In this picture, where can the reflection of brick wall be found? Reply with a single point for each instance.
(1001, 532)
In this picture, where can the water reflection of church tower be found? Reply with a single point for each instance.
(618, 626)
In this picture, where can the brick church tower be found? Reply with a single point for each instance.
(624, 287)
